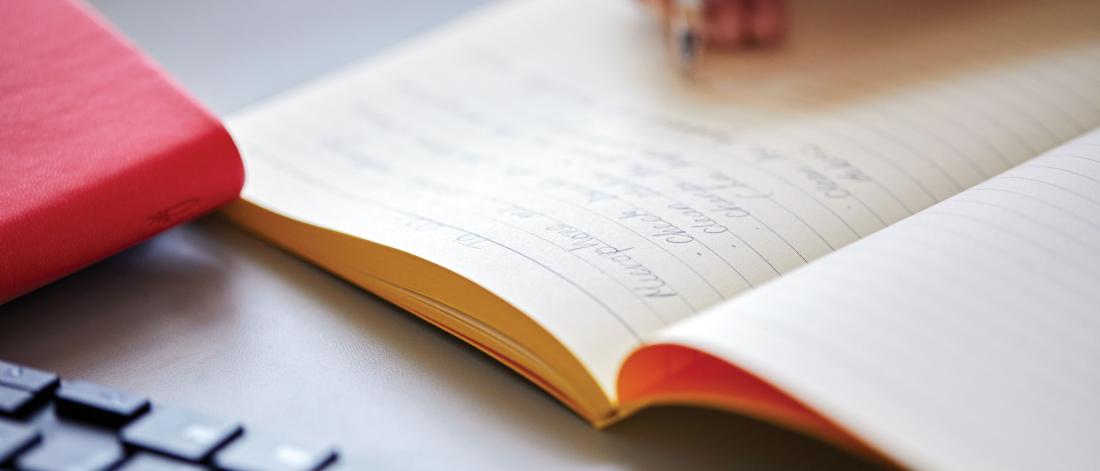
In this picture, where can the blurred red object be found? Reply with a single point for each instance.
(99, 149)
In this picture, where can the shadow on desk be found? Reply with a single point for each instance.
(208, 317)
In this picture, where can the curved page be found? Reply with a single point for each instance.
(964, 337)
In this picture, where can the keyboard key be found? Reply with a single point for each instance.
(263, 452)
(180, 433)
(81, 400)
(14, 438)
(82, 426)
(14, 402)
(28, 379)
(148, 462)
(75, 446)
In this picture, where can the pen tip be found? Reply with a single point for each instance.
(685, 36)
(688, 50)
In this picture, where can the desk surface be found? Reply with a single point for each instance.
(208, 317)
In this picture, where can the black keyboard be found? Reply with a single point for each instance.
(49, 424)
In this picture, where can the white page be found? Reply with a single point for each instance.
(546, 150)
(965, 337)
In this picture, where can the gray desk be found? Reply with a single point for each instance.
(206, 316)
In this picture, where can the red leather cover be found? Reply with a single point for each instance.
(99, 149)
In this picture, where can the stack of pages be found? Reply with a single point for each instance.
(885, 233)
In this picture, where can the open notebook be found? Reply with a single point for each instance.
(885, 234)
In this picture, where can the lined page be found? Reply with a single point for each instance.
(558, 160)
(964, 337)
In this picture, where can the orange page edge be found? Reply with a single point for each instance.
(674, 374)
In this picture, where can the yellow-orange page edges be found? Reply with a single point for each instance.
(440, 297)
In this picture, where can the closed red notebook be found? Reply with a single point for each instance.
(99, 149)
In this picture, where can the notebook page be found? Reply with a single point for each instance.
(964, 337)
(558, 160)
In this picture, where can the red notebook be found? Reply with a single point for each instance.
(99, 149)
